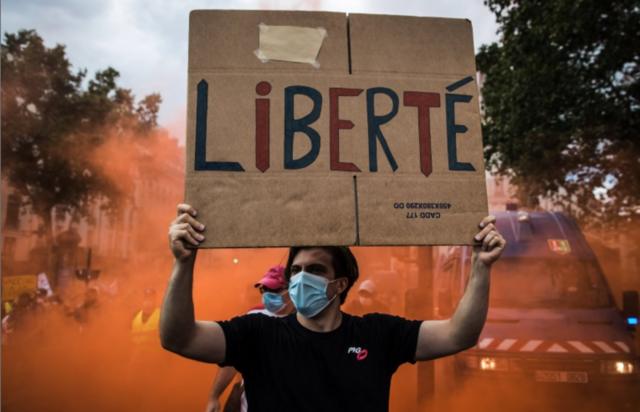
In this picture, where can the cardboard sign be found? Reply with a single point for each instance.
(376, 141)
(14, 286)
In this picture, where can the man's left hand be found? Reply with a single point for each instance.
(488, 242)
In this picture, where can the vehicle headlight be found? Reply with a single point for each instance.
(618, 367)
(494, 364)
(486, 363)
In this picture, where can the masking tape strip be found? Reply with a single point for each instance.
(290, 44)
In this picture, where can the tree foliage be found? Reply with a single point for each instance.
(53, 121)
(561, 102)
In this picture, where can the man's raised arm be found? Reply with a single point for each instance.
(439, 338)
(179, 331)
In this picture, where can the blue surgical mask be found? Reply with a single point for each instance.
(273, 302)
(309, 294)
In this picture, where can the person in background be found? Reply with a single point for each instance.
(83, 312)
(41, 297)
(367, 300)
(23, 306)
(276, 302)
(148, 366)
(144, 326)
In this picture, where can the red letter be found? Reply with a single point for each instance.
(423, 101)
(335, 124)
(262, 127)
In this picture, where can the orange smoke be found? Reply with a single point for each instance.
(52, 362)
(56, 360)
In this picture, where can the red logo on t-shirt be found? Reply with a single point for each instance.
(361, 354)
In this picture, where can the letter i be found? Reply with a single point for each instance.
(262, 127)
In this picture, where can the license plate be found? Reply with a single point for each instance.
(562, 376)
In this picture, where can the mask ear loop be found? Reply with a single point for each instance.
(330, 282)
(286, 301)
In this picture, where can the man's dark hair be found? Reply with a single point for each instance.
(343, 261)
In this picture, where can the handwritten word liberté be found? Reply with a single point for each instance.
(422, 101)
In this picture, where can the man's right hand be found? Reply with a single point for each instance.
(180, 332)
(185, 233)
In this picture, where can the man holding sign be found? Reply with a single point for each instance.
(318, 359)
(337, 130)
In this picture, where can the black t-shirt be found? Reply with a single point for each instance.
(287, 367)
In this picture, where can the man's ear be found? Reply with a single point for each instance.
(344, 282)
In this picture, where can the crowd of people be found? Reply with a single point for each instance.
(33, 309)
(31, 305)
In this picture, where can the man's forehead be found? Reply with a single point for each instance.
(311, 256)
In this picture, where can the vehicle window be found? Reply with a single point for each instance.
(548, 283)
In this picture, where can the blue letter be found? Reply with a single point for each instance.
(201, 136)
(453, 129)
(291, 126)
(374, 122)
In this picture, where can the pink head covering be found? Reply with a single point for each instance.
(273, 279)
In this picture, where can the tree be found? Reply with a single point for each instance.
(52, 124)
(561, 103)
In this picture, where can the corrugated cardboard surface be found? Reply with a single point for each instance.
(224, 41)
(316, 205)
(411, 45)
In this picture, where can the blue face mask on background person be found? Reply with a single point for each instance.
(309, 293)
(273, 302)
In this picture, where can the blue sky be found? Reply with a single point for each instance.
(146, 40)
